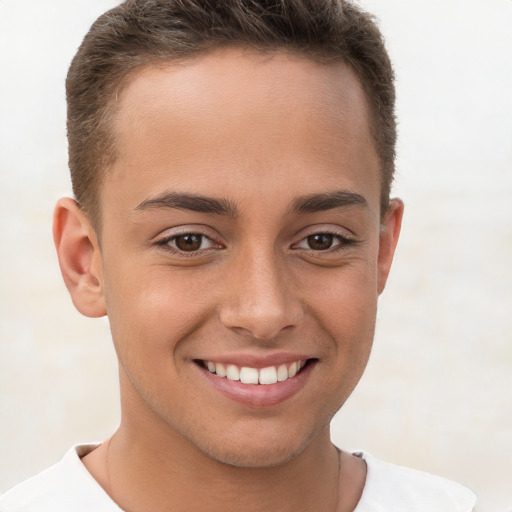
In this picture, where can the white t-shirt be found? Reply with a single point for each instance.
(68, 487)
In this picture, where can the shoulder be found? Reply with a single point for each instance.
(392, 488)
(64, 487)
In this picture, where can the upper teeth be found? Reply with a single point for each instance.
(248, 375)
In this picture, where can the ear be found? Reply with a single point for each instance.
(79, 257)
(389, 233)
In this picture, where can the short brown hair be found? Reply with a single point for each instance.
(138, 33)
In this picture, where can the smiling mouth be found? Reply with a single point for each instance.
(248, 375)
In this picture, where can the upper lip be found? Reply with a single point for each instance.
(257, 360)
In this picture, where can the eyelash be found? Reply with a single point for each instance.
(166, 241)
(344, 243)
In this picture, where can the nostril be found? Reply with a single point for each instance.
(261, 333)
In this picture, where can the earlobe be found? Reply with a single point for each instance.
(390, 231)
(79, 257)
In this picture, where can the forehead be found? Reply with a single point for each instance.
(243, 117)
(240, 82)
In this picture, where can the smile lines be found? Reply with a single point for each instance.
(247, 375)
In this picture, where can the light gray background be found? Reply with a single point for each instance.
(437, 392)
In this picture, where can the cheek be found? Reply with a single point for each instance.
(345, 299)
(150, 313)
(345, 310)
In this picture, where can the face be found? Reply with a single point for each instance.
(241, 235)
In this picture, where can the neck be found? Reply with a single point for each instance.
(145, 475)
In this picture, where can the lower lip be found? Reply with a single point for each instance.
(259, 395)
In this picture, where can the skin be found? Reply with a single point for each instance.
(262, 133)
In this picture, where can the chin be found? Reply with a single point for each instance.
(256, 457)
(261, 448)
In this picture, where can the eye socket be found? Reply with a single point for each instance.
(188, 242)
(323, 242)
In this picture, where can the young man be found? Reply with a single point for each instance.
(231, 164)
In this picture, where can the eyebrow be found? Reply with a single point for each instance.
(193, 202)
(327, 201)
(306, 204)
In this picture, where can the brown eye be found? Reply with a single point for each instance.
(327, 242)
(189, 242)
(320, 241)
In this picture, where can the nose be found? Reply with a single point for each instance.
(262, 298)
